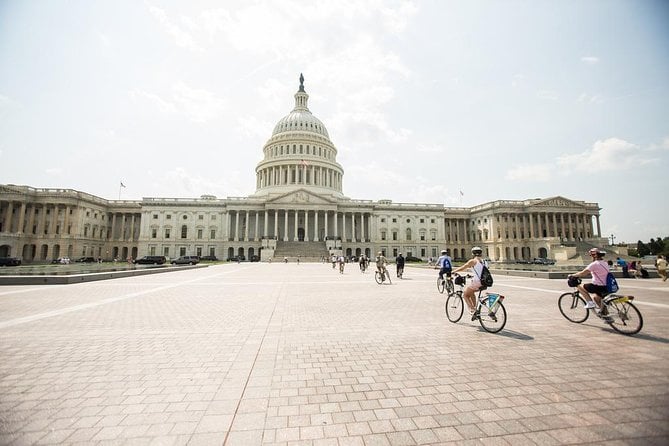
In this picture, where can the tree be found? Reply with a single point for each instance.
(642, 249)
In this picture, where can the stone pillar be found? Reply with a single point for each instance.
(343, 227)
(265, 225)
(236, 236)
(296, 224)
(285, 229)
(336, 229)
(255, 233)
(246, 226)
(276, 224)
(599, 229)
(306, 225)
(326, 224)
(132, 227)
(316, 225)
(8, 218)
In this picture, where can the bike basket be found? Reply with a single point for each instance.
(460, 280)
(573, 281)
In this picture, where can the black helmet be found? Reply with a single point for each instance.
(573, 281)
(477, 251)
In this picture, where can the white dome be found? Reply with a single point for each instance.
(300, 121)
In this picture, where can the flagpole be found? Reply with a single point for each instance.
(119, 191)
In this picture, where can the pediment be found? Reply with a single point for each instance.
(300, 196)
(559, 202)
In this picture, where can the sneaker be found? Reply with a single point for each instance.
(590, 304)
(492, 316)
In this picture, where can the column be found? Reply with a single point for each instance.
(326, 223)
(123, 218)
(547, 225)
(316, 225)
(236, 237)
(306, 225)
(255, 234)
(246, 226)
(336, 231)
(296, 223)
(8, 218)
(285, 229)
(555, 228)
(599, 229)
(132, 227)
(343, 226)
(265, 226)
(276, 224)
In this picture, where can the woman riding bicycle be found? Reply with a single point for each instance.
(598, 269)
(476, 263)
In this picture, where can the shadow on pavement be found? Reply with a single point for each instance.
(510, 334)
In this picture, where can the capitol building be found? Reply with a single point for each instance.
(298, 208)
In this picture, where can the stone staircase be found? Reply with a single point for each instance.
(308, 251)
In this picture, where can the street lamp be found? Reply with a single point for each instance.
(613, 238)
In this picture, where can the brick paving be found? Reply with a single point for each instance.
(286, 354)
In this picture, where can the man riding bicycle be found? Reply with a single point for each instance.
(598, 269)
(444, 265)
(381, 263)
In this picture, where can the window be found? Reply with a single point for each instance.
(383, 220)
(213, 216)
(408, 220)
(182, 251)
(152, 251)
(166, 251)
(154, 233)
(198, 251)
(200, 217)
(168, 216)
(408, 232)
(383, 235)
(167, 233)
(199, 234)
(184, 231)
(422, 220)
(394, 235)
(394, 220)
(185, 217)
(212, 235)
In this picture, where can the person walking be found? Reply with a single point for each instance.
(661, 264)
(399, 265)
(623, 265)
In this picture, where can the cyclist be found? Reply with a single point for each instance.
(476, 263)
(444, 265)
(381, 263)
(399, 265)
(362, 261)
(598, 269)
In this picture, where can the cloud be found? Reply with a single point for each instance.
(590, 60)
(609, 155)
(530, 172)
(589, 99)
(198, 105)
(181, 37)
(548, 95)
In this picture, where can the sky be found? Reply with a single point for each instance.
(459, 102)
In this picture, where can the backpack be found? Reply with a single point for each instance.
(611, 283)
(486, 277)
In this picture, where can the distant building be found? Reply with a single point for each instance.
(298, 208)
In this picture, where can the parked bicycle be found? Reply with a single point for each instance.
(617, 310)
(445, 284)
(490, 311)
(382, 276)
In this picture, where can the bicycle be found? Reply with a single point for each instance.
(445, 284)
(490, 311)
(381, 277)
(618, 310)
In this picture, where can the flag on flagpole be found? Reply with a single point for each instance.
(304, 163)
(462, 194)
(122, 185)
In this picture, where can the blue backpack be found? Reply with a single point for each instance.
(611, 283)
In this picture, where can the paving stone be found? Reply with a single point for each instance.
(317, 358)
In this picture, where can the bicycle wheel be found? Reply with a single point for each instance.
(492, 322)
(440, 285)
(572, 307)
(454, 307)
(626, 318)
(378, 278)
(449, 287)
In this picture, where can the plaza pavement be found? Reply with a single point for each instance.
(287, 354)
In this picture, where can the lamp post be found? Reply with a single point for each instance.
(613, 239)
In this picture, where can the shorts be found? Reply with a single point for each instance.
(600, 290)
(446, 271)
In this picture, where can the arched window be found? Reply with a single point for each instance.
(184, 231)
(408, 234)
